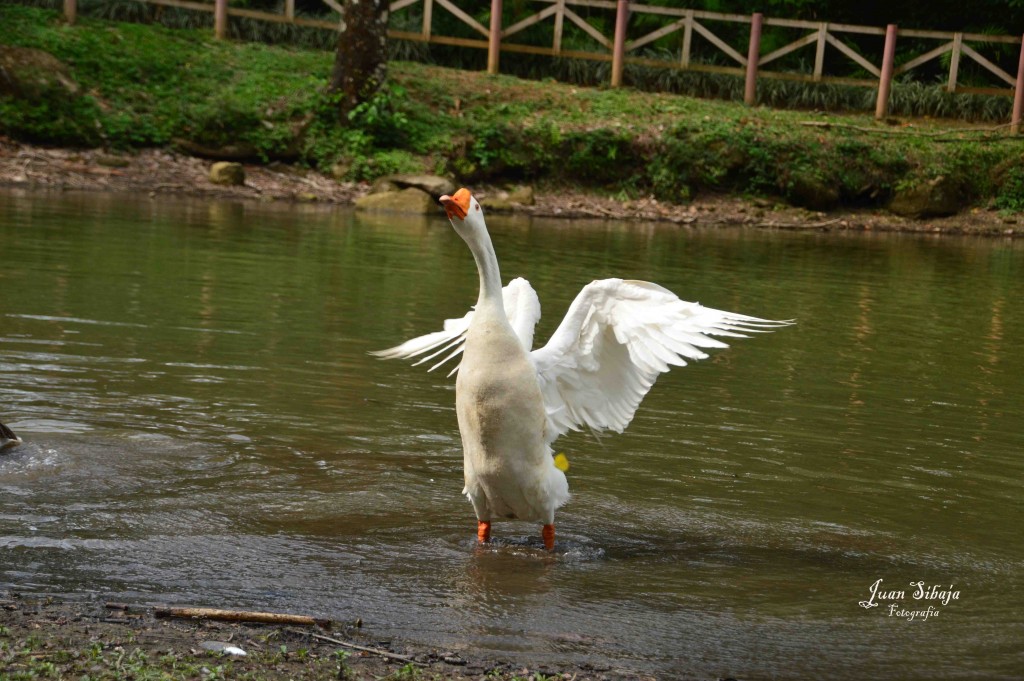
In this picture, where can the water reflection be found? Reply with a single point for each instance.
(203, 425)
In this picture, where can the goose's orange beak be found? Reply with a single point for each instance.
(456, 205)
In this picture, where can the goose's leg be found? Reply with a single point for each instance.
(548, 532)
(481, 508)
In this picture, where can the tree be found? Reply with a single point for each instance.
(360, 64)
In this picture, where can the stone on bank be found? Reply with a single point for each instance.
(434, 185)
(34, 75)
(227, 172)
(409, 200)
(939, 197)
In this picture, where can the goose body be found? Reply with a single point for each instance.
(513, 401)
(509, 470)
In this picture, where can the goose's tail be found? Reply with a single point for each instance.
(8, 438)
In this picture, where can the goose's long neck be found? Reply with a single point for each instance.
(487, 265)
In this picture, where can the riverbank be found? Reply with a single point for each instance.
(44, 638)
(122, 91)
(167, 173)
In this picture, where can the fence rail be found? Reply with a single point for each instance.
(745, 61)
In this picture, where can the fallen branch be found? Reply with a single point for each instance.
(983, 132)
(241, 616)
(799, 225)
(366, 649)
(82, 168)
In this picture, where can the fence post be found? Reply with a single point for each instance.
(819, 52)
(619, 46)
(220, 18)
(1018, 93)
(684, 59)
(494, 43)
(753, 56)
(954, 61)
(70, 10)
(885, 79)
(428, 13)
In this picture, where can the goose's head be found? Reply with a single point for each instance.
(464, 212)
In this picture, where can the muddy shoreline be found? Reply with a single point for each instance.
(108, 640)
(159, 172)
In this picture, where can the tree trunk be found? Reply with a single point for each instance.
(360, 65)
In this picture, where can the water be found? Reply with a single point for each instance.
(203, 426)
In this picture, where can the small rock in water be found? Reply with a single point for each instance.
(453, 659)
(221, 647)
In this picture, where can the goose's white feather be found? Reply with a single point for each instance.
(617, 337)
(522, 307)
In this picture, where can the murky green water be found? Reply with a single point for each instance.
(203, 426)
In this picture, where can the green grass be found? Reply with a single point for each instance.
(147, 85)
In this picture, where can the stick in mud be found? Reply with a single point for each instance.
(241, 616)
(366, 649)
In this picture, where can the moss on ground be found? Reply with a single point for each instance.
(149, 86)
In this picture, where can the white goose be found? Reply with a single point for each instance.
(513, 402)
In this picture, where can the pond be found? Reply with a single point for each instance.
(203, 426)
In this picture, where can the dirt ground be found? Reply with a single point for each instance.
(43, 638)
(161, 172)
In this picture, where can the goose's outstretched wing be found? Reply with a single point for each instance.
(614, 341)
(522, 307)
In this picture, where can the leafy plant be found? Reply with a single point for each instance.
(1010, 194)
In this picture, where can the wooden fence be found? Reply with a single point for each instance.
(689, 24)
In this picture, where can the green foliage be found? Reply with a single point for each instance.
(408, 672)
(1009, 195)
(381, 118)
(373, 141)
(148, 85)
(598, 157)
(506, 150)
(63, 121)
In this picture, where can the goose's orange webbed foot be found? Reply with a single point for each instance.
(548, 532)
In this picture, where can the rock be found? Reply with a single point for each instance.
(112, 161)
(506, 201)
(339, 171)
(522, 195)
(34, 75)
(227, 152)
(432, 184)
(227, 172)
(409, 200)
(222, 647)
(809, 191)
(383, 185)
(496, 204)
(935, 198)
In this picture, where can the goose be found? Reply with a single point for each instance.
(512, 401)
(8, 438)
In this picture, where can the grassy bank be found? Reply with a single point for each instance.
(146, 86)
